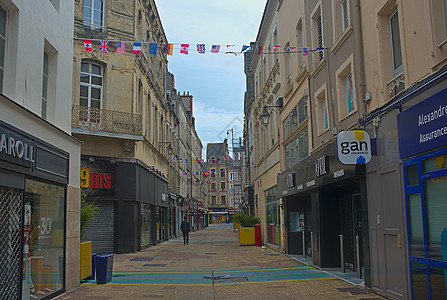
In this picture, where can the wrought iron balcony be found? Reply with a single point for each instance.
(106, 120)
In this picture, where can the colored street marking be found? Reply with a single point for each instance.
(205, 278)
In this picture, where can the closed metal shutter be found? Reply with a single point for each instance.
(10, 242)
(100, 229)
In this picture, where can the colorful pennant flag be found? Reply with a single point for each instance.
(104, 47)
(305, 51)
(170, 49)
(276, 46)
(120, 47)
(261, 49)
(136, 48)
(215, 49)
(153, 48)
(244, 47)
(201, 48)
(88, 45)
(184, 48)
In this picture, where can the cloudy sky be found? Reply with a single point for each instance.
(216, 81)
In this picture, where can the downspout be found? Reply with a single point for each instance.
(359, 36)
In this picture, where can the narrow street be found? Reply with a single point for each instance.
(214, 266)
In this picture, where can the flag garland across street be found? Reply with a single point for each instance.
(186, 48)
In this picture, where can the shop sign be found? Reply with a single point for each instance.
(16, 148)
(423, 127)
(97, 178)
(354, 147)
(321, 166)
(291, 180)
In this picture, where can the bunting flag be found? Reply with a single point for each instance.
(201, 48)
(276, 46)
(120, 47)
(184, 48)
(170, 49)
(136, 48)
(88, 45)
(215, 49)
(153, 48)
(261, 49)
(244, 47)
(230, 46)
(104, 46)
(305, 51)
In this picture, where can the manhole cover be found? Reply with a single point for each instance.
(142, 259)
(154, 265)
(231, 279)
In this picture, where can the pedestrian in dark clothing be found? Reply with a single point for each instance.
(185, 227)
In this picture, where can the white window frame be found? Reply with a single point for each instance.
(396, 69)
(89, 85)
(92, 24)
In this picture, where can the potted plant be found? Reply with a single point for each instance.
(247, 228)
(88, 210)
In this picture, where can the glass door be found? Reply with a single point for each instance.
(426, 205)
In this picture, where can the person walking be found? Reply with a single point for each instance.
(185, 227)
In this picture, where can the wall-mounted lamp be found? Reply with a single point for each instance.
(265, 116)
(169, 147)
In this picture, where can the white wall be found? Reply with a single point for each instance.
(35, 25)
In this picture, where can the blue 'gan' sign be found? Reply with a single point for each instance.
(423, 127)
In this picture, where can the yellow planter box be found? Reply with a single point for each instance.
(246, 235)
(86, 260)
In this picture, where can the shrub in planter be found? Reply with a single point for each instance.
(246, 220)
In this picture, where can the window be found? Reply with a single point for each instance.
(346, 89)
(275, 40)
(94, 14)
(290, 124)
(2, 45)
(223, 200)
(213, 186)
(213, 200)
(317, 34)
(91, 92)
(44, 86)
(213, 172)
(396, 50)
(273, 216)
(300, 45)
(297, 149)
(302, 110)
(288, 63)
(222, 185)
(222, 172)
(322, 112)
(344, 15)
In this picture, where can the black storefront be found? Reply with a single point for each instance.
(34, 176)
(133, 204)
(324, 199)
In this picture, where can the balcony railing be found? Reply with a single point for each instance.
(105, 120)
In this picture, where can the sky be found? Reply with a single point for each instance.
(216, 81)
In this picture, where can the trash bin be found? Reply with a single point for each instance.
(258, 235)
(104, 267)
(93, 267)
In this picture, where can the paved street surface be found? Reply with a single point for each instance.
(214, 266)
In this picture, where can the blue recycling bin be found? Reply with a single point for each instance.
(104, 268)
(93, 267)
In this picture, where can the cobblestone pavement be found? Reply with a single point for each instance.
(214, 266)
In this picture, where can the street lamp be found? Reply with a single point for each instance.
(169, 147)
(265, 116)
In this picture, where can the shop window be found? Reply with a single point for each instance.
(94, 14)
(146, 220)
(412, 175)
(415, 226)
(3, 17)
(44, 224)
(419, 280)
(438, 283)
(434, 163)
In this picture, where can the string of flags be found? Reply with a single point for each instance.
(187, 48)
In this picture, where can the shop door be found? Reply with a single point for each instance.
(11, 242)
(295, 232)
(100, 229)
(426, 203)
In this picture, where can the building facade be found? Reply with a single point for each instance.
(406, 117)
(127, 125)
(39, 159)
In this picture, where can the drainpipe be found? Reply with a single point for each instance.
(359, 37)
